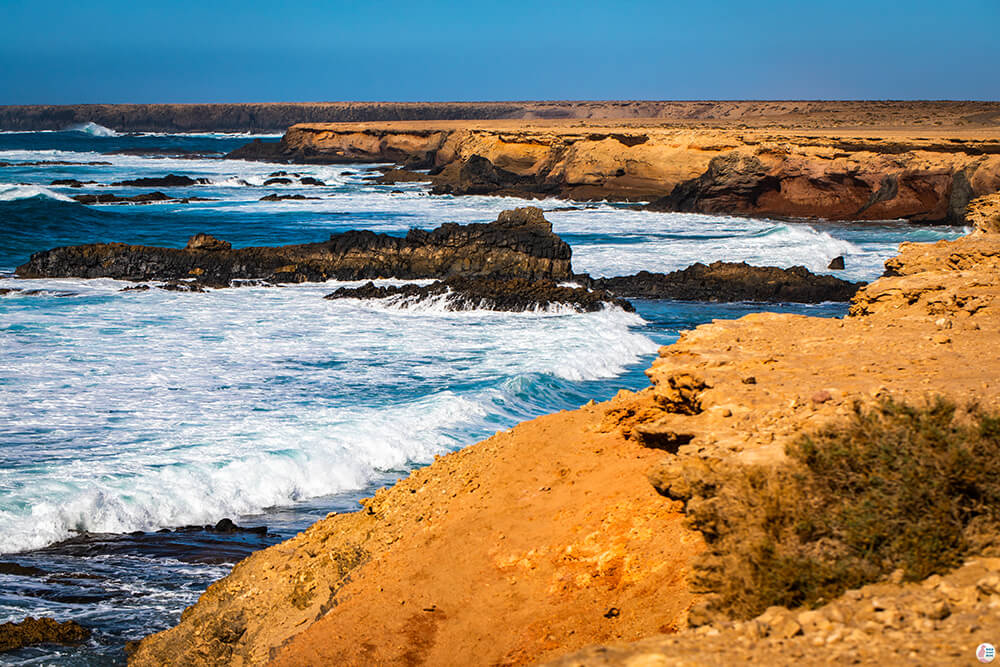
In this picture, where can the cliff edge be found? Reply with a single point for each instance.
(549, 537)
(921, 176)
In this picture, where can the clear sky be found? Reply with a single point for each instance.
(56, 52)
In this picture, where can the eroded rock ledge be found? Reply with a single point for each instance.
(519, 243)
(784, 173)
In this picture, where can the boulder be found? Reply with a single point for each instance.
(207, 242)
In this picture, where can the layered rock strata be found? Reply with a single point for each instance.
(550, 537)
(520, 243)
(783, 173)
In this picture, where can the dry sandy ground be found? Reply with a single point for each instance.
(548, 537)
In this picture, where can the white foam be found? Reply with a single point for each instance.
(135, 410)
(93, 129)
(13, 192)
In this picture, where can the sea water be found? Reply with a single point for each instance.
(125, 413)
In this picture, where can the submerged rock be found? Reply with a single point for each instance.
(519, 244)
(45, 630)
(727, 281)
(512, 295)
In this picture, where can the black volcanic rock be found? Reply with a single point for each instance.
(276, 197)
(168, 181)
(519, 244)
(726, 281)
(108, 198)
(512, 295)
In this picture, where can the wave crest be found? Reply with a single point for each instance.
(13, 192)
(93, 129)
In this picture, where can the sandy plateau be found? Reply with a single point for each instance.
(550, 537)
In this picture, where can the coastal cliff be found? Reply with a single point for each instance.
(276, 117)
(760, 172)
(550, 536)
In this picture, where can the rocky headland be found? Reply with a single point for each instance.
(569, 530)
(781, 171)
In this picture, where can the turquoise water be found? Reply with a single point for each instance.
(122, 414)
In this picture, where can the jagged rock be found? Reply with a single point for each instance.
(836, 264)
(477, 175)
(277, 181)
(725, 281)
(520, 245)
(513, 295)
(40, 631)
(168, 181)
(983, 214)
(309, 180)
(207, 242)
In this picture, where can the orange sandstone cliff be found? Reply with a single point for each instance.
(923, 176)
(549, 537)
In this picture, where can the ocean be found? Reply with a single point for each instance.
(126, 415)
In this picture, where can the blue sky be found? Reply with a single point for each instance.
(59, 52)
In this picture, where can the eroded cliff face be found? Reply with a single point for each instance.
(551, 536)
(741, 172)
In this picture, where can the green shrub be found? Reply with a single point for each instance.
(894, 487)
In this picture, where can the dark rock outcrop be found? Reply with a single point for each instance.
(519, 244)
(109, 198)
(168, 181)
(479, 176)
(511, 295)
(726, 281)
(276, 197)
(32, 631)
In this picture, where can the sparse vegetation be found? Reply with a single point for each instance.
(895, 487)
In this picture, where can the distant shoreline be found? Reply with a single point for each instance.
(276, 117)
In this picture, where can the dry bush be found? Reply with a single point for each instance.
(893, 487)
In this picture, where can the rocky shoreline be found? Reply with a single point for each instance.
(779, 172)
(549, 537)
(514, 263)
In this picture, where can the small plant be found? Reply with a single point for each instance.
(894, 487)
